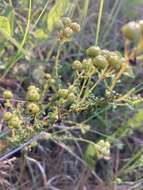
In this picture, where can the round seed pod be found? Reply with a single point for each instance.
(115, 61)
(15, 122)
(75, 27)
(7, 94)
(62, 101)
(33, 95)
(33, 108)
(63, 93)
(51, 82)
(71, 97)
(68, 32)
(59, 25)
(101, 142)
(47, 76)
(32, 87)
(7, 116)
(93, 51)
(100, 62)
(105, 53)
(77, 65)
(87, 64)
(53, 116)
(118, 54)
(103, 149)
(66, 21)
(71, 88)
(107, 144)
(132, 31)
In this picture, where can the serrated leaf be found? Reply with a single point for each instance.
(5, 25)
(57, 11)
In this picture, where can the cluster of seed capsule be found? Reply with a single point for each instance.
(12, 119)
(103, 149)
(33, 97)
(67, 29)
(133, 31)
(99, 59)
(67, 94)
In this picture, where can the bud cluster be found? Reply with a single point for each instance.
(104, 58)
(67, 29)
(99, 59)
(13, 120)
(33, 96)
(103, 149)
(67, 94)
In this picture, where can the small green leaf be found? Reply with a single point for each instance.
(137, 120)
(90, 155)
(5, 25)
(40, 34)
(10, 14)
(57, 11)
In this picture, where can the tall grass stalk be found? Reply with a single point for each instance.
(42, 12)
(99, 21)
(18, 55)
(112, 19)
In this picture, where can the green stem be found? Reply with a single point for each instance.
(20, 47)
(131, 162)
(99, 21)
(41, 14)
(10, 2)
(28, 25)
(93, 87)
(56, 69)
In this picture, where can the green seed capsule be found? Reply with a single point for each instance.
(51, 82)
(62, 101)
(59, 24)
(15, 122)
(68, 32)
(47, 76)
(75, 27)
(115, 61)
(132, 31)
(103, 149)
(105, 53)
(71, 97)
(7, 116)
(100, 62)
(33, 95)
(7, 94)
(66, 21)
(87, 64)
(118, 54)
(77, 65)
(93, 51)
(32, 87)
(53, 116)
(33, 108)
(63, 93)
(71, 88)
